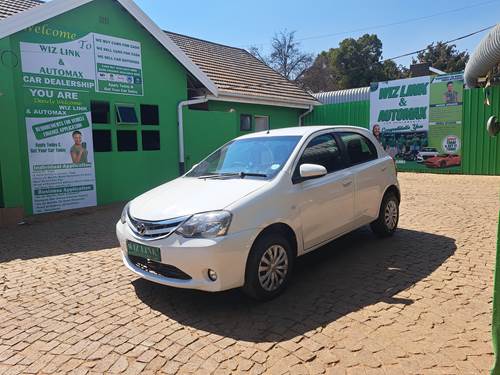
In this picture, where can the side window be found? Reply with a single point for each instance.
(359, 148)
(245, 123)
(323, 150)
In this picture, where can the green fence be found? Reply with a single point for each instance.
(480, 152)
(354, 113)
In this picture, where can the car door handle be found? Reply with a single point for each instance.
(346, 183)
(383, 168)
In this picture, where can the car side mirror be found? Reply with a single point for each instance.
(308, 171)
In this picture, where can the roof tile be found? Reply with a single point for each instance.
(233, 70)
(10, 7)
(236, 71)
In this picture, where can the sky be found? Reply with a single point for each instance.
(403, 26)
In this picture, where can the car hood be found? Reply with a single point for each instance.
(187, 195)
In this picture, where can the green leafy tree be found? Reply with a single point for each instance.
(444, 57)
(354, 63)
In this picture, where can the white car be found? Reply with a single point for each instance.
(241, 216)
(426, 153)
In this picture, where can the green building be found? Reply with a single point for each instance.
(98, 104)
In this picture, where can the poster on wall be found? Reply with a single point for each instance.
(118, 65)
(58, 79)
(418, 121)
(445, 113)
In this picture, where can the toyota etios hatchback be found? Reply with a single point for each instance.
(241, 216)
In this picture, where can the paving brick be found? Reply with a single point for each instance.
(419, 302)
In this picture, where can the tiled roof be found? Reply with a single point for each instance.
(235, 71)
(10, 7)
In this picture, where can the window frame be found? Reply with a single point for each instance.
(144, 106)
(136, 140)
(108, 112)
(251, 122)
(118, 116)
(150, 131)
(347, 158)
(255, 117)
(296, 178)
(108, 131)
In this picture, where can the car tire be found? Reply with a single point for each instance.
(388, 218)
(269, 266)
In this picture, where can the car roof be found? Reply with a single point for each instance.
(301, 131)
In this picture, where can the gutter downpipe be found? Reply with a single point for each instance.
(180, 127)
(311, 107)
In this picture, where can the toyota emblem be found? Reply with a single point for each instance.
(141, 228)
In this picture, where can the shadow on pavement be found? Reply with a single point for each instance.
(60, 233)
(344, 276)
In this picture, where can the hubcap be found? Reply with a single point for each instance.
(273, 267)
(391, 214)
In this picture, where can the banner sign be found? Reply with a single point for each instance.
(118, 65)
(419, 120)
(58, 79)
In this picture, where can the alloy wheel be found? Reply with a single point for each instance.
(391, 214)
(273, 268)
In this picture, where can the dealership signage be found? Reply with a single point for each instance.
(408, 115)
(58, 79)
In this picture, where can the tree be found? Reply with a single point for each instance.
(285, 57)
(444, 57)
(354, 63)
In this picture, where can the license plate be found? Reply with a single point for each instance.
(144, 251)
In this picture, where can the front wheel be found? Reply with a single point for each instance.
(269, 267)
(388, 218)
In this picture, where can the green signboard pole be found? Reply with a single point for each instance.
(495, 327)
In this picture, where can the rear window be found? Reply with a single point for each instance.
(359, 148)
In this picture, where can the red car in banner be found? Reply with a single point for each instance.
(443, 161)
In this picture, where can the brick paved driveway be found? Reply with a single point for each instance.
(416, 303)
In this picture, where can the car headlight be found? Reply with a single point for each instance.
(124, 216)
(206, 225)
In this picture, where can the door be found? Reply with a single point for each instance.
(326, 204)
(261, 123)
(370, 173)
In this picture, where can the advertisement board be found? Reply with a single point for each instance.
(418, 121)
(58, 79)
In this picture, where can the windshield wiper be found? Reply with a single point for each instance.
(211, 175)
(234, 174)
(245, 174)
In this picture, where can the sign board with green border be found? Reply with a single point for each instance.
(418, 121)
(58, 78)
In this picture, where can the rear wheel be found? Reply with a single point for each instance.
(387, 221)
(269, 266)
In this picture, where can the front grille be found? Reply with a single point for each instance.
(161, 269)
(150, 230)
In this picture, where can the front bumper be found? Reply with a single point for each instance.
(225, 255)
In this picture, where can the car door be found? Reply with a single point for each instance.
(326, 204)
(369, 173)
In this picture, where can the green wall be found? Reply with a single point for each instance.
(205, 131)
(354, 113)
(279, 117)
(120, 175)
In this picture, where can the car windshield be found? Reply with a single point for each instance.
(261, 157)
